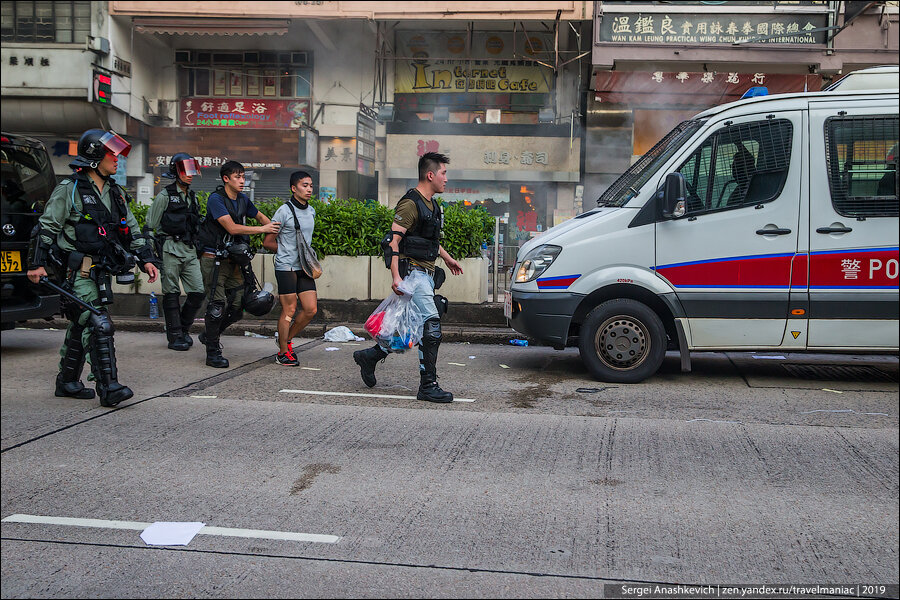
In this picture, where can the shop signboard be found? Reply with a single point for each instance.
(365, 141)
(497, 62)
(681, 29)
(476, 191)
(522, 154)
(243, 113)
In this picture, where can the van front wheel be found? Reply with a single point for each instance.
(622, 341)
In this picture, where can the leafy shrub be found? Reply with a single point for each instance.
(355, 227)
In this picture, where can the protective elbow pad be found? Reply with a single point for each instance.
(40, 247)
(145, 254)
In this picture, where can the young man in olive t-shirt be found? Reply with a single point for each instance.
(416, 245)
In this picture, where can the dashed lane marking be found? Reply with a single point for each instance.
(358, 395)
(208, 530)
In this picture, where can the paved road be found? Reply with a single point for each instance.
(547, 483)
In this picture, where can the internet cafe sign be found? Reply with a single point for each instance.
(439, 62)
(657, 28)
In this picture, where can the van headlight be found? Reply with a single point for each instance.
(536, 262)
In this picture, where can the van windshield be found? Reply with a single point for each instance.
(629, 184)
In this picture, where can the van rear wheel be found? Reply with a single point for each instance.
(622, 341)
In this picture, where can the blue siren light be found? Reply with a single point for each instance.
(756, 91)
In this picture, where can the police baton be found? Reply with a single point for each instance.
(64, 292)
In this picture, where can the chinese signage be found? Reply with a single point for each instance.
(637, 28)
(475, 191)
(522, 154)
(215, 162)
(440, 64)
(365, 141)
(693, 89)
(249, 113)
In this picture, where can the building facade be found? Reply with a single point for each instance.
(353, 92)
(658, 63)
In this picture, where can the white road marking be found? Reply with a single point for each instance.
(320, 393)
(223, 531)
(204, 396)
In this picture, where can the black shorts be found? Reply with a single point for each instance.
(294, 282)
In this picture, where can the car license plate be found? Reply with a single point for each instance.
(507, 304)
(12, 261)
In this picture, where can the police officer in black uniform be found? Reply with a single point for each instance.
(415, 244)
(87, 234)
(173, 221)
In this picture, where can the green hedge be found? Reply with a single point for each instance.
(355, 227)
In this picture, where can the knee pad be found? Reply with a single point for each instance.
(102, 324)
(194, 299)
(431, 331)
(215, 311)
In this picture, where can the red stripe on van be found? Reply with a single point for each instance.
(751, 271)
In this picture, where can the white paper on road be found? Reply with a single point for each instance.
(168, 533)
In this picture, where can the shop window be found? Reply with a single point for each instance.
(739, 165)
(244, 75)
(44, 21)
(861, 156)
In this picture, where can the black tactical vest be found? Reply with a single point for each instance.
(181, 219)
(422, 241)
(212, 234)
(97, 227)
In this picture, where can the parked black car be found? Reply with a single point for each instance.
(26, 184)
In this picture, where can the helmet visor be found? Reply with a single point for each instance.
(187, 167)
(114, 143)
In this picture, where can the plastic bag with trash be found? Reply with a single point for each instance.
(341, 334)
(397, 322)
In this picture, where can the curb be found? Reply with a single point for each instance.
(268, 327)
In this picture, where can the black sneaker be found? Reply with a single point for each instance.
(287, 360)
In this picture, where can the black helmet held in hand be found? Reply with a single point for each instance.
(94, 144)
(239, 253)
(258, 302)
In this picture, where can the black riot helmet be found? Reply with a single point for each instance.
(258, 302)
(94, 145)
(240, 253)
(182, 165)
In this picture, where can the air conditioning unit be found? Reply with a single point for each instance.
(98, 45)
(157, 110)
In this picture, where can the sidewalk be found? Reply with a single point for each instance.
(475, 323)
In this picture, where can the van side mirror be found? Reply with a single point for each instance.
(672, 197)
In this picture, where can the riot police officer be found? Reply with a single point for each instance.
(415, 244)
(173, 222)
(87, 234)
(225, 259)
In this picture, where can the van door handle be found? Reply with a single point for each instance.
(777, 231)
(834, 230)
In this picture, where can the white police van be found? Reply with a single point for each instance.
(770, 223)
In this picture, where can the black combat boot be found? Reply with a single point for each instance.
(172, 312)
(367, 360)
(68, 381)
(103, 359)
(429, 390)
(188, 313)
(210, 337)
